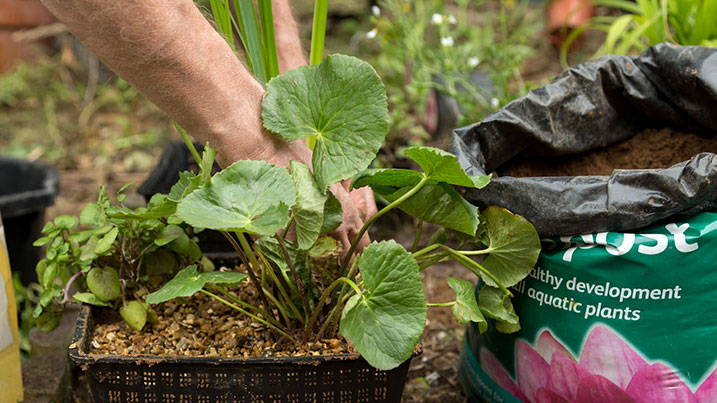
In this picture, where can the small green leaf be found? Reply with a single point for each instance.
(507, 327)
(497, 305)
(168, 234)
(185, 246)
(466, 308)
(93, 216)
(188, 281)
(88, 298)
(187, 183)
(135, 314)
(309, 208)
(66, 222)
(105, 244)
(162, 210)
(42, 241)
(385, 322)
(333, 214)
(386, 177)
(49, 226)
(88, 251)
(205, 166)
(440, 204)
(480, 181)
(125, 187)
(248, 196)
(442, 166)
(342, 102)
(104, 283)
(50, 274)
(513, 243)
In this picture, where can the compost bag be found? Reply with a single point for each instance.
(620, 306)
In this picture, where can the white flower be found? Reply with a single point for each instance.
(371, 34)
(451, 19)
(494, 103)
(436, 19)
(447, 41)
(376, 10)
(473, 61)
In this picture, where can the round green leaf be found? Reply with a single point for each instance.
(48, 320)
(466, 308)
(248, 196)
(513, 243)
(342, 102)
(135, 314)
(385, 322)
(93, 215)
(104, 283)
(66, 222)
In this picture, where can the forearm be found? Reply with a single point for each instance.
(170, 53)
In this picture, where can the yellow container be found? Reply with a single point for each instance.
(10, 373)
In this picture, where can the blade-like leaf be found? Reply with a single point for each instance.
(188, 281)
(513, 243)
(88, 298)
(440, 204)
(466, 308)
(249, 196)
(251, 38)
(385, 321)
(497, 305)
(309, 208)
(340, 101)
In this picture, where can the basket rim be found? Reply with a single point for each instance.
(80, 341)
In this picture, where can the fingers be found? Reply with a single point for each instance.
(363, 200)
(352, 222)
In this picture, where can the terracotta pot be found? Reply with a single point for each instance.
(563, 16)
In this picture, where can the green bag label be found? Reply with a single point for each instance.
(626, 316)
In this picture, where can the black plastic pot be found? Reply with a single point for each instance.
(26, 190)
(345, 378)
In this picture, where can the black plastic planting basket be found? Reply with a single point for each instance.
(204, 379)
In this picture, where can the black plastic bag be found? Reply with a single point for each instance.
(593, 105)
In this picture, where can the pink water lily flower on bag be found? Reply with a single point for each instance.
(608, 371)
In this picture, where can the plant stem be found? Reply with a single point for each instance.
(66, 291)
(281, 308)
(189, 143)
(439, 304)
(318, 31)
(333, 314)
(253, 266)
(476, 252)
(249, 314)
(436, 258)
(418, 236)
(297, 280)
(425, 250)
(472, 265)
(373, 218)
(247, 305)
(342, 297)
(322, 300)
(280, 283)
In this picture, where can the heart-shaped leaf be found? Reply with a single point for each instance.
(342, 102)
(386, 320)
(104, 283)
(135, 314)
(88, 298)
(513, 246)
(248, 196)
(188, 281)
(442, 166)
(497, 305)
(440, 204)
(66, 222)
(466, 308)
(309, 208)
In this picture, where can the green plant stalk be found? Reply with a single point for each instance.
(418, 236)
(433, 259)
(340, 301)
(271, 61)
(318, 31)
(252, 42)
(247, 305)
(333, 315)
(247, 313)
(324, 297)
(440, 304)
(471, 265)
(376, 216)
(427, 249)
(252, 267)
(281, 308)
(188, 142)
(280, 286)
(294, 274)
